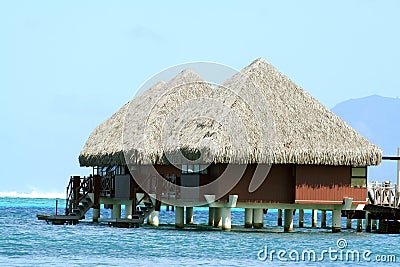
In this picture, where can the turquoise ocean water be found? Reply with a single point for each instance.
(25, 241)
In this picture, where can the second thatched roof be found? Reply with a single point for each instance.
(264, 118)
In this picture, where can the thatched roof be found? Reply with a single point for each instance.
(257, 116)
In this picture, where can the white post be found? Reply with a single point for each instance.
(211, 216)
(336, 220)
(301, 218)
(314, 218)
(96, 215)
(150, 219)
(179, 217)
(258, 218)
(154, 218)
(218, 217)
(116, 211)
(248, 218)
(288, 220)
(226, 219)
(128, 211)
(189, 215)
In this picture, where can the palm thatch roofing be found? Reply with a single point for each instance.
(264, 118)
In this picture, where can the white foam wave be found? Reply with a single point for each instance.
(33, 194)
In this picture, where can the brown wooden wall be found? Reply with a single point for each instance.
(324, 184)
(279, 186)
(286, 184)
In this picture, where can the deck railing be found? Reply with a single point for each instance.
(107, 186)
(77, 189)
(384, 194)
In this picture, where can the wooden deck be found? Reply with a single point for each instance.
(58, 219)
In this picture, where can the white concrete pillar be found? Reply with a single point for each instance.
(279, 217)
(154, 218)
(258, 218)
(179, 217)
(336, 221)
(211, 216)
(128, 211)
(288, 222)
(217, 217)
(359, 225)
(314, 214)
(116, 211)
(189, 215)
(96, 215)
(226, 219)
(323, 219)
(348, 223)
(248, 218)
(301, 218)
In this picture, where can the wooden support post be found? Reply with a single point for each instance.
(348, 223)
(301, 218)
(158, 205)
(288, 226)
(359, 225)
(248, 217)
(314, 214)
(279, 217)
(374, 225)
(96, 197)
(367, 222)
(398, 170)
(76, 184)
(323, 219)
(133, 190)
(56, 207)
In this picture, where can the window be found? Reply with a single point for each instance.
(194, 169)
(184, 168)
(359, 177)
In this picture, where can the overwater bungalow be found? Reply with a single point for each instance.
(256, 142)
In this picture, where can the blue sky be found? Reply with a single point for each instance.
(65, 66)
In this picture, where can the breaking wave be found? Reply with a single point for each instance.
(32, 194)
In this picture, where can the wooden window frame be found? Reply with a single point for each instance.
(355, 177)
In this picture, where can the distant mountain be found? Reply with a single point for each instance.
(378, 119)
